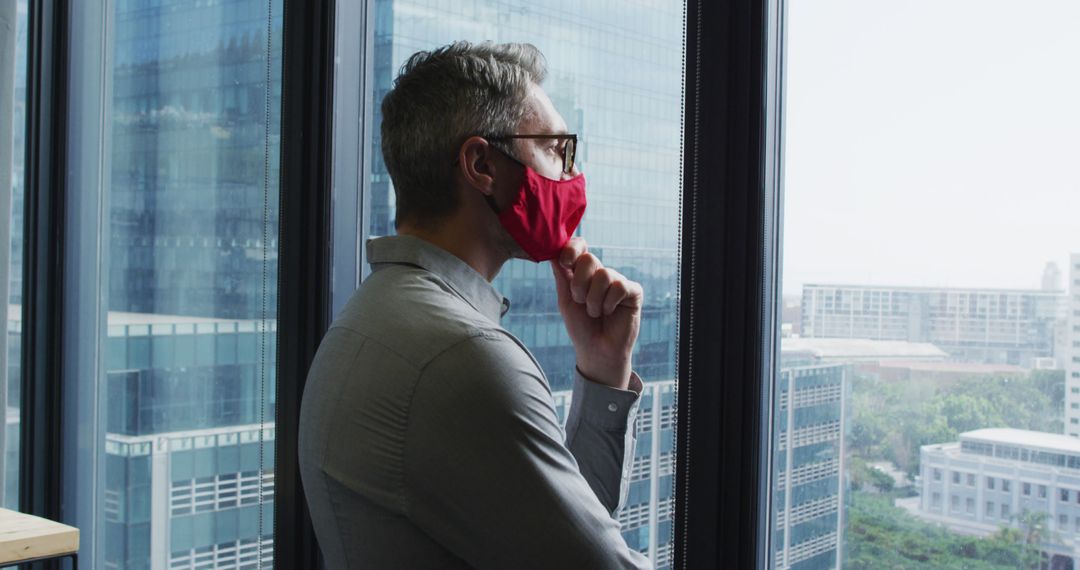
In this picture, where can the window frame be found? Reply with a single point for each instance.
(728, 334)
(41, 417)
(304, 299)
(732, 174)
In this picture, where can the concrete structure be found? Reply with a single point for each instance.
(1009, 326)
(807, 351)
(1070, 352)
(994, 478)
(808, 444)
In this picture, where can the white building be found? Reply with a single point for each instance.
(990, 478)
(1001, 326)
(1071, 351)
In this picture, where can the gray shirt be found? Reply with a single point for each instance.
(429, 438)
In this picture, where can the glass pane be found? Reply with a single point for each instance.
(12, 153)
(928, 395)
(189, 225)
(615, 75)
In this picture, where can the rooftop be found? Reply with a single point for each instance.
(958, 367)
(1021, 437)
(862, 349)
(924, 289)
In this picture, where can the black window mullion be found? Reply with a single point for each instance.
(723, 379)
(303, 255)
(43, 260)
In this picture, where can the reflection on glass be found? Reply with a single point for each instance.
(928, 399)
(192, 228)
(614, 73)
(13, 105)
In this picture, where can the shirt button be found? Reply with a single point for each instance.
(611, 407)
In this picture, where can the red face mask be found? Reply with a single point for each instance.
(545, 214)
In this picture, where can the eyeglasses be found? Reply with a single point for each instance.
(569, 148)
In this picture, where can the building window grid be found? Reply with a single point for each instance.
(810, 472)
(813, 396)
(808, 510)
(223, 491)
(811, 547)
(242, 554)
(818, 433)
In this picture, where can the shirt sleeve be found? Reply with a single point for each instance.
(600, 432)
(487, 472)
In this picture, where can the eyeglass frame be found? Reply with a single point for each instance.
(568, 156)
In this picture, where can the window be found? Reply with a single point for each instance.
(858, 271)
(1064, 493)
(989, 509)
(175, 205)
(935, 499)
(937, 474)
(1063, 522)
(12, 153)
(614, 74)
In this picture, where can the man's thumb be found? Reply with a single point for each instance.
(562, 281)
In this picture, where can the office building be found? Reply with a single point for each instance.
(1070, 351)
(1007, 326)
(808, 489)
(1003, 477)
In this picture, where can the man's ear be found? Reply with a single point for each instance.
(477, 165)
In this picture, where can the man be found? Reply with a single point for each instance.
(428, 435)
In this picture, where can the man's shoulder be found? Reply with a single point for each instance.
(413, 313)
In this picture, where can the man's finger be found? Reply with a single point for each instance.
(615, 295)
(598, 290)
(572, 251)
(562, 282)
(584, 268)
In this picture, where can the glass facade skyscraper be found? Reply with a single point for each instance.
(808, 467)
(193, 147)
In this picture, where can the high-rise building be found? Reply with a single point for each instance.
(808, 467)
(1070, 350)
(1003, 477)
(1008, 326)
(192, 210)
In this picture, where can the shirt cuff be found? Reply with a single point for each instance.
(603, 406)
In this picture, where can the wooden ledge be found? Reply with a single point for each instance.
(26, 537)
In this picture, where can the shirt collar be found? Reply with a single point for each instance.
(462, 278)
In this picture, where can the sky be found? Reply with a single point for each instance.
(931, 143)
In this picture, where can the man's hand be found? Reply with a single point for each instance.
(602, 312)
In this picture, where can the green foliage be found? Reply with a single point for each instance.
(892, 420)
(881, 535)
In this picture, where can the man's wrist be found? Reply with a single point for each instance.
(615, 375)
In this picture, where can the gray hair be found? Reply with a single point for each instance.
(439, 99)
